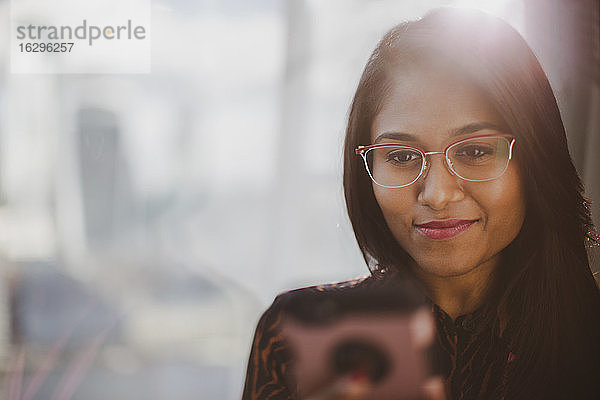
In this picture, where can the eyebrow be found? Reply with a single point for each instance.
(463, 130)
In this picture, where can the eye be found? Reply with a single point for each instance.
(474, 151)
(403, 156)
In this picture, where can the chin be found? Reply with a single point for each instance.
(446, 267)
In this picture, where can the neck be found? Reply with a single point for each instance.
(462, 294)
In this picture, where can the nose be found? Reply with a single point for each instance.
(438, 185)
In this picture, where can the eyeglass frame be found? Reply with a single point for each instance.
(362, 150)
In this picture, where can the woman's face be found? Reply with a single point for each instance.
(429, 107)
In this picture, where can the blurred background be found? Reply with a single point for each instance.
(147, 220)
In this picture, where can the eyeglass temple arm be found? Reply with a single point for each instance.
(512, 142)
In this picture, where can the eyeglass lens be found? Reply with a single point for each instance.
(476, 159)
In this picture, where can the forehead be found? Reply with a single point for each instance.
(430, 104)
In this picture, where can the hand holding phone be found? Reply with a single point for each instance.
(362, 344)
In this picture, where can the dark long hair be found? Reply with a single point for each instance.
(547, 301)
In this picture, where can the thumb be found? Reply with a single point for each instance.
(351, 387)
(433, 389)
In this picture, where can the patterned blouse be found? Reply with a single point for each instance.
(471, 358)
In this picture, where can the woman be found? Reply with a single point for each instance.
(457, 174)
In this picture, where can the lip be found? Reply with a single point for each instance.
(444, 229)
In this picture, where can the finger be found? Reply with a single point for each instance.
(422, 328)
(352, 387)
(433, 389)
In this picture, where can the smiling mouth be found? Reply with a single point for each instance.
(444, 229)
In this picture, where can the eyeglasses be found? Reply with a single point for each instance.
(476, 159)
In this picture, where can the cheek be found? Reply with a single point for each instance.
(397, 207)
(504, 204)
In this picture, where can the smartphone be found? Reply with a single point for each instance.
(364, 331)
